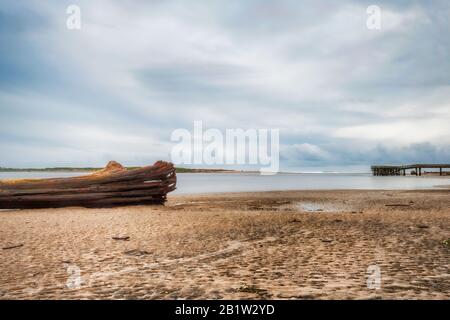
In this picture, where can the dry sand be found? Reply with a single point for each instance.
(275, 245)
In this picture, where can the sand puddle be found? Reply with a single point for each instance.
(323, 207)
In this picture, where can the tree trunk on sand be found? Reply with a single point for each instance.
(112, 186)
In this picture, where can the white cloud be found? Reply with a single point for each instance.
(399, 132)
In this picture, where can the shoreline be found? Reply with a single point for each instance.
(92, 170)
(253, 245)
(204, 170)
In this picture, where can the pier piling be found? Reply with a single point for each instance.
(397, 170)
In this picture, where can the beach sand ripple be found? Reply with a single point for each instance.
(267, 245)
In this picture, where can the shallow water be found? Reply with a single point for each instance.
(35, 175)
(321, 207)
(191, 183)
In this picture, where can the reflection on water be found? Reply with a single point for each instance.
(321, 207)
(189, 183)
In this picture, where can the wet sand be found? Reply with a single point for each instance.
(268, 245)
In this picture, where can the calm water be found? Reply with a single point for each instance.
(226, 182)
(32, 175)
(233, 182)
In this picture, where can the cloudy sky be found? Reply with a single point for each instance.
(342, 95)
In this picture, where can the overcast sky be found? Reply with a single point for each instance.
(341, 94)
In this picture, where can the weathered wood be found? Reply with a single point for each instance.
(156, 172)
(111, 186)
(416, 169)
(117, 187)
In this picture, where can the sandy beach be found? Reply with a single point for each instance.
(268, 245)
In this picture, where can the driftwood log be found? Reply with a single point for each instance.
(112, 186)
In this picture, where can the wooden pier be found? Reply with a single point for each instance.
(401, 170)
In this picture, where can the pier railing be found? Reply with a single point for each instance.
(397, 170)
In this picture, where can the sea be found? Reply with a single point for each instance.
(194, 183)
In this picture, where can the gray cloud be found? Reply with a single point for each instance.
(341, 94)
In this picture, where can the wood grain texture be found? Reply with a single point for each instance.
(111, 186)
